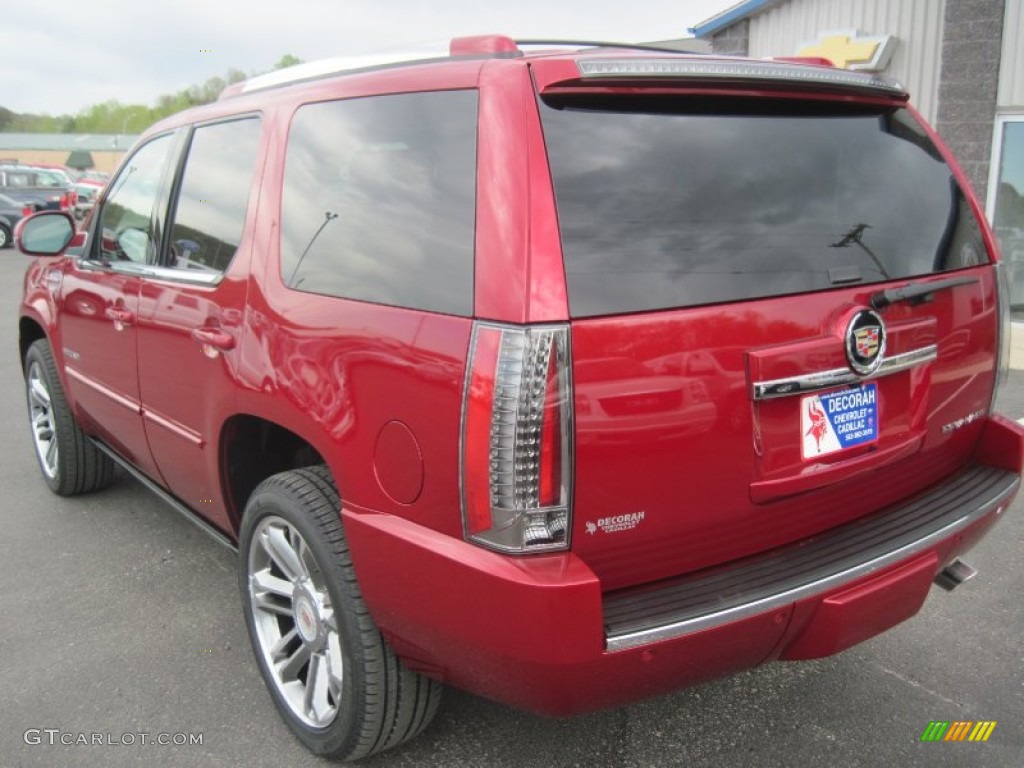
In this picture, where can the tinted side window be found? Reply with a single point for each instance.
(379, 200)
(124, 224)
(210, 211)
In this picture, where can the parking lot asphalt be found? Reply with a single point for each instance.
(118, 618)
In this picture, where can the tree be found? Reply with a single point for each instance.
(287, 61)
(116, 118)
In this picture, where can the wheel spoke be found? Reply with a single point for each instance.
(265, 581)
(329, 619)
(44, 431)
(276, 544)
(267, 603)
(278, 652)
(51, 453)
(316, 702)
(290, 667)
(306, 557)
(40, 393)
(335, 665)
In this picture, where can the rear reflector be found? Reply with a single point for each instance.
(737, 71)
(516, 439)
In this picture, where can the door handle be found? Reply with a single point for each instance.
(119, 316)
(214, 337)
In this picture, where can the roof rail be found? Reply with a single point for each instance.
(479, 45)
(602, 44)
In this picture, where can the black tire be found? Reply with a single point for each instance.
(76, 465)
(6, 241)
(378, 703)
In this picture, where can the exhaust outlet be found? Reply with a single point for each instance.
(954, 574)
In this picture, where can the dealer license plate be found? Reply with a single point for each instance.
(836, 421)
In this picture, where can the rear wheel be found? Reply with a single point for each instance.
(337, 684)
(5, 236)
(70, 463)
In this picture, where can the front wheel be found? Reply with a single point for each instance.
(70, 463)
(337, 684)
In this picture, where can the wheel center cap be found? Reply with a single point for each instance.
(306, 618)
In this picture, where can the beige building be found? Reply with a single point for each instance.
(105, 150)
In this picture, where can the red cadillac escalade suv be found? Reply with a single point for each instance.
(566, 377)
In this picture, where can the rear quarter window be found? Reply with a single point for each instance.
(379, 200)
(673, 202)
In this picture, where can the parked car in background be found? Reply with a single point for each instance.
(101, 176)
(11, 212)
(30, 184)
(69, 175)
(87, 193)
(567, 377)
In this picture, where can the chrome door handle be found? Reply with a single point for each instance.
(119, 316)
(214, 337)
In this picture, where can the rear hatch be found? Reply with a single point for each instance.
(746, 371)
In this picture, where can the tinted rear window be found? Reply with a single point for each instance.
(697, 201)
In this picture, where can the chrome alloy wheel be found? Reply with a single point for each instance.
(295, 623)
(44, 427)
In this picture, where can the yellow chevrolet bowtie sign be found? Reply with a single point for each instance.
(850, 50)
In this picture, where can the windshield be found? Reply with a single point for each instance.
(680, 201)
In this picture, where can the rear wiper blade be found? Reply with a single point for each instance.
(916, 293)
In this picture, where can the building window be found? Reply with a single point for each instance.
(1006, 200)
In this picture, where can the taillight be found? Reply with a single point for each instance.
(64, 202)
(516, 439)
(26, 211)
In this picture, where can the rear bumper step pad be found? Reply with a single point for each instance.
(710, 598)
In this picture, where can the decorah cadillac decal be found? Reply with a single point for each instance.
(835, 421)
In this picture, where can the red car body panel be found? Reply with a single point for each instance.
(714, 474)
(530, 632)
(756, 492)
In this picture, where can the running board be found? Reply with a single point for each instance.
(173, 501)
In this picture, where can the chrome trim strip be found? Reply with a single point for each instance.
(152, 271)
(185, 276)
(120, 399)
(175, 428)
(120, 267)
(838, 377)
(709, 620)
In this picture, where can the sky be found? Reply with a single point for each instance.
(61, 56)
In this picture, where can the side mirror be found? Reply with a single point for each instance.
(46, 233)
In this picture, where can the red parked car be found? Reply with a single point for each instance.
(568, 377)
